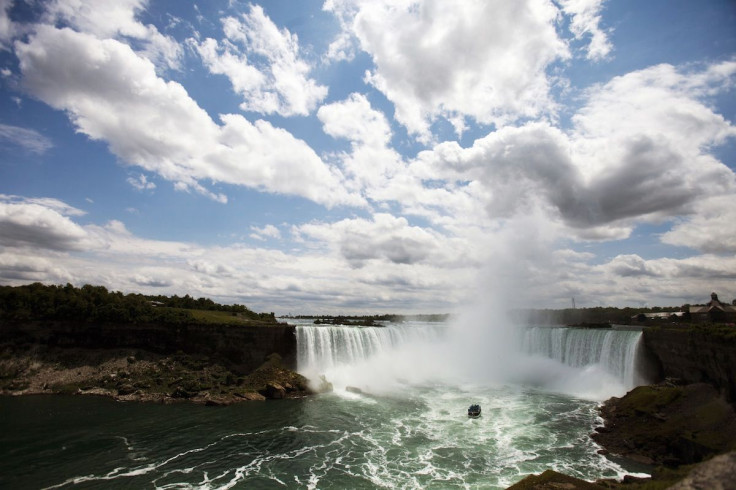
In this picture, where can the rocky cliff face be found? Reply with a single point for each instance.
(696, 354)
(241, 348)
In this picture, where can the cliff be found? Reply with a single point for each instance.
(241, 348)
(695, 354)
(668, 425)
(205, 363)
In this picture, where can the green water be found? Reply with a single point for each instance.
(421, 438)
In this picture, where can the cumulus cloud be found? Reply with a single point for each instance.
(39, 223)
(261, 278)
(269, 72)
(396, 265)
(141, 183)
(264, 233)
(355, 120)
(112, 94)
(483, 60)
(639, 151)
(711, 228)
(7, 26)
(630, 265)
(28, 139)
(384, 237)
(115, 19)
(371, 164)
(585, 23)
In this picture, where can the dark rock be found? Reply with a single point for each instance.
(323, 386)
(718, 473)
(250, 395)
(552, 480)
(126, 389)
(240, 349)
(630, 479)
(695, 354)
(274, 391)
(180, 392)
(668, 425)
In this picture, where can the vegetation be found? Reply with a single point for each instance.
(716, 331)
(601, 315)
(94, 304)
(370, 319)
(668, 424)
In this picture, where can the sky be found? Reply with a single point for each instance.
(371, 156)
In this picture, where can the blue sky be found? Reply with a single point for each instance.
(364, 156)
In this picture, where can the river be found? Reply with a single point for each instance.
(402, 425)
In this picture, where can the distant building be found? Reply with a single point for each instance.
(662, 315)
(714, 311)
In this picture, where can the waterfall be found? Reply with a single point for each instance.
(589, 363)
(615, 351)
(327, 347)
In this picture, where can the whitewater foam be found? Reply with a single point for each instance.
(588, 363)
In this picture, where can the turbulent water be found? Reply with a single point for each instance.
(403, 424)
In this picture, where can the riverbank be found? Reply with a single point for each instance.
(139, 375)
(680, 432)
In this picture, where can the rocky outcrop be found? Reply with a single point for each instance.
(718, 473)
(211, 364)
(552, 480)
(696, 354)
(144, 376)
(240, 348)
(668, 425)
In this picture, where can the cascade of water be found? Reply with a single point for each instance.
(322, 348)
(613, 350)
(588, 363)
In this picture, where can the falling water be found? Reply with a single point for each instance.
(591, 363)
(614, 351)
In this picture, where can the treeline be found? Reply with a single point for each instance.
(599, 314)
(369, 319)
(96, 304)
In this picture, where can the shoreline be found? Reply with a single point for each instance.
(140, 376)
(681, 432)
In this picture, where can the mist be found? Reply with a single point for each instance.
(481, 346)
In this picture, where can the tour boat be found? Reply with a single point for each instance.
(474, 411)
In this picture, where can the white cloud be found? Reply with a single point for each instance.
(341, 48)
(28, 139)
(266, 232)
(7, 26)
(711, 228)
(270, 74)
(113, 95)
(378, 264)
(585, 22)
(371, 164)
(141, 183)
(398, 278)
(484, 60)
(116, 19)
(639, 151)
(43, 223)
(53, 204)
(383, 238)
(355, 120)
